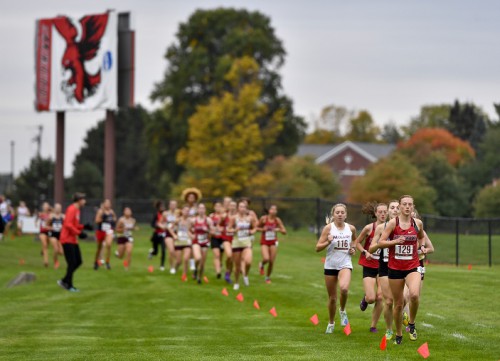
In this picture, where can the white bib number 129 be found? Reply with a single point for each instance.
(404, 252)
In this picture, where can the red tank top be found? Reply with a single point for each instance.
(201, 231)
(159, 218)
(43, 222)
(228, 236)
(372, 263)
(216, 219)
(404, 257)
(269, 234)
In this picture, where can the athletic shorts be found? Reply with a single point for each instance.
(334, 272)
(395, 274)
(180, 248)
(55, 235)
(240, 249)
(100, 236)
(44, 232)
(217, 243)
(268, 243)
(124, 240)
(383, 269)
(370, 272)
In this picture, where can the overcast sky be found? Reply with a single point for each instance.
(389, 57)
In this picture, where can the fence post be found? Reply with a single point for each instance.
(489, 243)
(456, 244)
(318, 216)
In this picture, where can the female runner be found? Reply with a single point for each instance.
(43, 217)
(170, 216)
(124, 227)
(217, 242)
(227, 236)
(55, 223)
(337, 237)
(106, 221)
(183, 235)
(244, 226)
(404, 236)
(372, 288)
(202, 227)
(269, 225)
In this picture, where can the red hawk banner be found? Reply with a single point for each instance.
(76, 63)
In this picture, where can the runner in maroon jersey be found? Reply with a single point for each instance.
(269, 225)
(216, 241)
(202, 228)
(43, 217)
(227, 236)
(373, 291)
(404, 236)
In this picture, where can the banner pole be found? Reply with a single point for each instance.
(59, 167)
(109, 156)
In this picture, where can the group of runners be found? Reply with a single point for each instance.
(392, 251)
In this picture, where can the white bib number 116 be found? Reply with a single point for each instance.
(404, 252)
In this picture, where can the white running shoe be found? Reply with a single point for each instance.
(172, 271)
(246, 281)
(330, 328)
(236, 286)
(162, 268)
(192, 265)
(343, 318)
(117, 254)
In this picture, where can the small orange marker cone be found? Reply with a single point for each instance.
(273, 312)
(347, 329)
(383, 343)
(470, 267)
(205, 279)
(151, 269)
(21, 261)
(314, 319)
(240, 297)
(224, 292)
(125, 263)
(323, 260)
(256, 304)
(184, 277)
(424, 350)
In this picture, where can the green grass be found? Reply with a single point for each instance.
(137, 315)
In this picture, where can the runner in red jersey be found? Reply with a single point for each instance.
(158, 239)
(269, 225)
(202, 227)
(372, 288)
(43, 218)
(227, 236)
(216, 241)
(106, 221)
(404, 236)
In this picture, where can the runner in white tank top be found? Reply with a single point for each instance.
(338, 239)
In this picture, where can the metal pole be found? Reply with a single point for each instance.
(59, 168)
(456, 247)
(109, 156)
(489, 243)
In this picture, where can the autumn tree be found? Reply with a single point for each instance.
(430, 116)
(362, 128)
(428, 140)
(204, 51)
(226, 141)
(390, 178)
(487, 203)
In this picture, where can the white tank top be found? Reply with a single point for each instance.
(337, 253)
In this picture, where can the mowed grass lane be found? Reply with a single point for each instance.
(137, 315)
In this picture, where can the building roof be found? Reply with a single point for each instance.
(322, 152)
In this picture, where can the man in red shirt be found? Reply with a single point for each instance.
(69, 239)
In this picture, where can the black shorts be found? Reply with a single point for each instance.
(123, 240)
(55, 235)
(370, 272)
(334, 272)
(180, 248)
(400, 275)
(45, 232)
(383, 269)
(217, 243)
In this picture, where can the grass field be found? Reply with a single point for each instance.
(137, 315)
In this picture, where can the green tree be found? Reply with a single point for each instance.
(431, 116)
(389, 179)
(362, 128)
(225, 138)
(131, 158)
(205, 49)
(468, 122)
(391, 133)
(35, 184)
(487, 203)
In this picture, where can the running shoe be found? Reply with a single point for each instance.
(172, 271)
(330, 327)
(192, 265)
(73, 289)
(246, 281)
(268, 280)
(227, 277)
(218, 276)
(343, 318)
(102, 262)
(398, 340)
(388, 335)
(261, 268)
(184, 277)
(413, 332)
(236, 287)
(56, 265)
(96, 265)
(195, 273)
(117, 254)
(150, 254)
(108, 266)
(162, 268)
(406, 319)
(199, 281)
(373, 330)
(363, 304)
(62, 284)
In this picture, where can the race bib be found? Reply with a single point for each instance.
(421, 270)
(386, 255)
(202, 238)
(105, 227)
(403, 252)
(376, 255)
(270, 235)
(56, 227)
(130, 239)
(341, 245)
(183, 236)
(244, 233)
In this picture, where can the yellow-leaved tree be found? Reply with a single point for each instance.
(225, 137)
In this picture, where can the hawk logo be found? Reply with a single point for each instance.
(82, 44)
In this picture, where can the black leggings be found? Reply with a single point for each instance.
(159, 240)
(73, 259)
